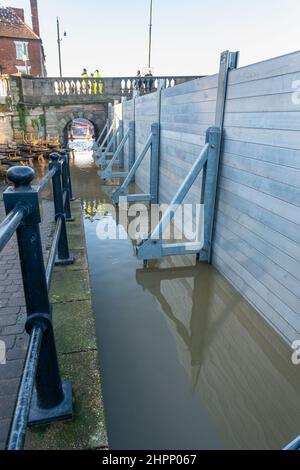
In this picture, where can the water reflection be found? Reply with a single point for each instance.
(239, 368)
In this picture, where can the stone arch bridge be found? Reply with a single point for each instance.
(45, 106)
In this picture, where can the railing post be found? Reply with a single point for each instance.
(121, 135)
(52, 398)
(72, 198)
(131, 146)
(154, 165)
(209, 189)
(63, 254)
(66, 186)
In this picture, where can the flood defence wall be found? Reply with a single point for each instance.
(256, 242)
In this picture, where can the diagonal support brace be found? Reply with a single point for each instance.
(108, 172)
(97, 143)
(153, 143)
(208, 160)
(122, 191)
(104, 154)
(99, 149)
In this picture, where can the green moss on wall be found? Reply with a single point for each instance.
(42, 121)
(23, 113)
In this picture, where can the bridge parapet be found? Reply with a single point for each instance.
(76, 90)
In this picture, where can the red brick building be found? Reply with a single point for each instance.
(21, 48)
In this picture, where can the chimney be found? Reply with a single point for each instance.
(35, 17)
(19, 12)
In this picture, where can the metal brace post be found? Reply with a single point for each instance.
(119, 141)
(108, 173)
(131, 150)
(154, 164)
(99, 149)
(122, 190)
(228, 61)
(103, 155)
(153, 247)
(101, 135)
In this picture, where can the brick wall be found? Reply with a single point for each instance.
(8, 59)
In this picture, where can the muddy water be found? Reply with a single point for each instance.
(186, 363)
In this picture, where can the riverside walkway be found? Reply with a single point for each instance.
(74, 332)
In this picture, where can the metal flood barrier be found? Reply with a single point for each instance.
(42, 396)
(207, 162)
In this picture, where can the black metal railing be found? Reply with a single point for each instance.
(42, 396)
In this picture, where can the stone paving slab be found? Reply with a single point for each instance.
(66, 283)
(80, 315)
(87, 430)
(74, 329)
(81, 262)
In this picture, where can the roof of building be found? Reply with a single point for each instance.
(11, 26)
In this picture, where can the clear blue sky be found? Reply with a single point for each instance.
(188, 35)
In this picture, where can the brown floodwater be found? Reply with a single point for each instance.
(186, 362)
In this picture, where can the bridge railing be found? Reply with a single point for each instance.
(42, 397)
(123, 85)
(88, 88)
